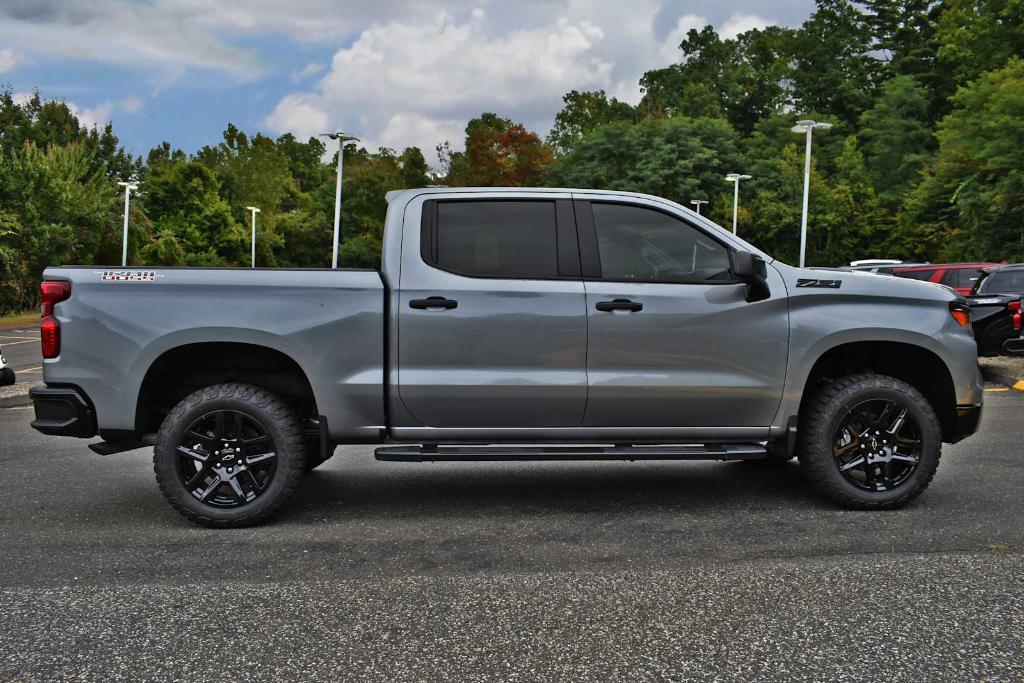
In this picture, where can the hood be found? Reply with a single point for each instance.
(859, 283)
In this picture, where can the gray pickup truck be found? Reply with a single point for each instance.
(511, 324)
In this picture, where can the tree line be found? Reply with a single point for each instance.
(925, 160)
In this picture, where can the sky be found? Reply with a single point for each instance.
(393, 72)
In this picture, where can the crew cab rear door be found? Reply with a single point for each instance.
(492, 324)
(673, 342)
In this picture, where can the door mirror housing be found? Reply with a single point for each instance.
(752, 270)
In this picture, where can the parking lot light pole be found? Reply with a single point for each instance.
(342, 138)
(254, 211)
(807, 126)
(735, 179)
(128, 187)
(697, 203)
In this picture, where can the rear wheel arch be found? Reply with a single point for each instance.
(180, 370)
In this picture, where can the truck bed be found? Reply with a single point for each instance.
(119, 321)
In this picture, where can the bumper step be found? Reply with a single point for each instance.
(597, 452)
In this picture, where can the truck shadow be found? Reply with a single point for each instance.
(470, 489)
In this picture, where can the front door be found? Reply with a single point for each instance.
(492, 325)
(673, 341)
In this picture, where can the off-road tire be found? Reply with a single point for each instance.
(273, 414)
(819, 419)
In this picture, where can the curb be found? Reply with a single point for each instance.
(1002, 379)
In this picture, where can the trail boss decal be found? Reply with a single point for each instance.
(821, 284)
(128, 275)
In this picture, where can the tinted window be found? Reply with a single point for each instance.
(649, 246)
(1003, 281)
(960, 277)
(498, 238)
(916, 274)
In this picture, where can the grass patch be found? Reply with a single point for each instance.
(19, 319)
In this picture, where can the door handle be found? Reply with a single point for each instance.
(433, 302)
(619, 305)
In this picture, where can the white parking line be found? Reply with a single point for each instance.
(23, 341)
(21, 336)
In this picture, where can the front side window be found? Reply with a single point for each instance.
(643, 245)
(503, 239)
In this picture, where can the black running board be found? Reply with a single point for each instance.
(618, 452)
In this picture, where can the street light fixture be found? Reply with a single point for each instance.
(342, 138)
(128, 187)
(254, 211)
(735, 179)
(697, 203)
(807, 127)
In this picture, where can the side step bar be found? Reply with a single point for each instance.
(617, 452)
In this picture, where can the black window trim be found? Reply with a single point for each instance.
(591, 257)
(567, 244)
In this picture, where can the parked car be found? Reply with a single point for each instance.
(958, 276)
(6, 371)
(877, 266)
(872, 265)
(995, 303)
(511, 324)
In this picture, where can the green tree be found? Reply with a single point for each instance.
(677, 158)
(833, 69)
(897, 140)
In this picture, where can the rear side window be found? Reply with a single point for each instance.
(503, 239)
(1003, 282)
(644, 245)
(961, 277)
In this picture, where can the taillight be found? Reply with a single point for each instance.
(1014, 308)
(50, 293)
(961, 314)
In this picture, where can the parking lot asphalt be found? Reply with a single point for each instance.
(513, 571)
(21, 349)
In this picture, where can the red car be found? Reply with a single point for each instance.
(959, 276)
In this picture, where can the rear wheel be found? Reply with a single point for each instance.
(229, 455)
(869, 442)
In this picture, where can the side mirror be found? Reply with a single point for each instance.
(753, 271)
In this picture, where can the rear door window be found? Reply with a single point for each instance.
(500, 239)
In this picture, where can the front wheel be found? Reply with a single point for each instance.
(869, 442)
(229, 455)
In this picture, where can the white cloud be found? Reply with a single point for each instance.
(417, 82)
(90, 117)
(101, 114)
(301, 115)
(741, 23)
(8, 60)
(118, 32)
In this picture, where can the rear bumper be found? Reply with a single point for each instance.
(63, 411)
(967, 420)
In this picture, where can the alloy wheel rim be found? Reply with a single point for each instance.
(226, 459)
(877, 445)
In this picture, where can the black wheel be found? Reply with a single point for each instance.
(229, 455)
(6, 377)
(869, 442)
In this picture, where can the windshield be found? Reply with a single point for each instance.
(1003, 281)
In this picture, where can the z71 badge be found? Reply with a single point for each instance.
(128, 275)
(823, 284)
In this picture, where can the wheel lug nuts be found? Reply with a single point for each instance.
(231, 469)
(239, 462)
